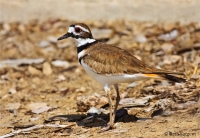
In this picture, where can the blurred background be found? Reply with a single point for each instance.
(78, 10)
(41, 77)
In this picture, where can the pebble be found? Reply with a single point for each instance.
(52, 39)
(6, 27)
(49, 49)
(171, 59)
(60, 78)
(33, 71)
(165, 83)
(169, 36)
(41, 109)
(66, 43)
(32, 119)
(114, 40)
(102, 33)
(94, 110)
(21, 28)
(85, 102)
(126, 102)
(38, 108)
(124, 95)
(134, 84)
(13, 106)
(167, 47)
(44, 43)
(148, 48)
(17, 62)
(12, 91)
(169, 26)
(60, 63)
(140, 38)
(46, 69)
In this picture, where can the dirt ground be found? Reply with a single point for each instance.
(34, 88)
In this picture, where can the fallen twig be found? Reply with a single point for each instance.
(34, 127)
(186, 49)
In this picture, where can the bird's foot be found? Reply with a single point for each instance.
(108, 127)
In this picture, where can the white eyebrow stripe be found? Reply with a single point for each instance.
(85, 30)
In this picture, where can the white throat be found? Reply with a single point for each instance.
(82, 41)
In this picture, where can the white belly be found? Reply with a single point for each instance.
(113, 79)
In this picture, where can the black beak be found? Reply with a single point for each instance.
(64, 36)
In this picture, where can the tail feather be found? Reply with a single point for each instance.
(173, 78)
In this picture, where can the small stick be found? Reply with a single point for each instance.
(34, 127)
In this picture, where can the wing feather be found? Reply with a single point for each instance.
(108, 59)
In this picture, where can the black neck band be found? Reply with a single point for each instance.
(81, 48)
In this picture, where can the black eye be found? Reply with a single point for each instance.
(78, 30)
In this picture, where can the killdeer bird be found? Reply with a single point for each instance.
(110, 65)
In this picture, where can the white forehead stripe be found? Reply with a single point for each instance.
(71, 30)
(85, 30)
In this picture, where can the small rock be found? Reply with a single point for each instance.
(47, 70)
(6, 27)
(44, 43)
(167, 47)
(78, 71)
(186, 105)
(134, 84)
(13, 106)
(114, 40)
(60, 63)
(32, 106)
(12, 91)
(33, 71)
(129, 102)
(60, 78)
(169, 26)
(149, 88)
(81, 89)
(148, 48)
(17, 62)
(94, 110)
(52, 39)
(169, 36)
(140, 38)
(165, 83)
(66, 43)
(49, 49)
(38, 108)
(124, 95)
(102, 33)
(46, 26)
(41, 109)
(32, 119)
(21, 28)
(171, 59)
(164, 103)
(5, 96)
(85, 102)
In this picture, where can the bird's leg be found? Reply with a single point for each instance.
(117, 102)
(111, 123)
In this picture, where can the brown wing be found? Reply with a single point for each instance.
(108, 59)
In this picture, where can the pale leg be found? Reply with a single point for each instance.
(117, 102)
(111, 123)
